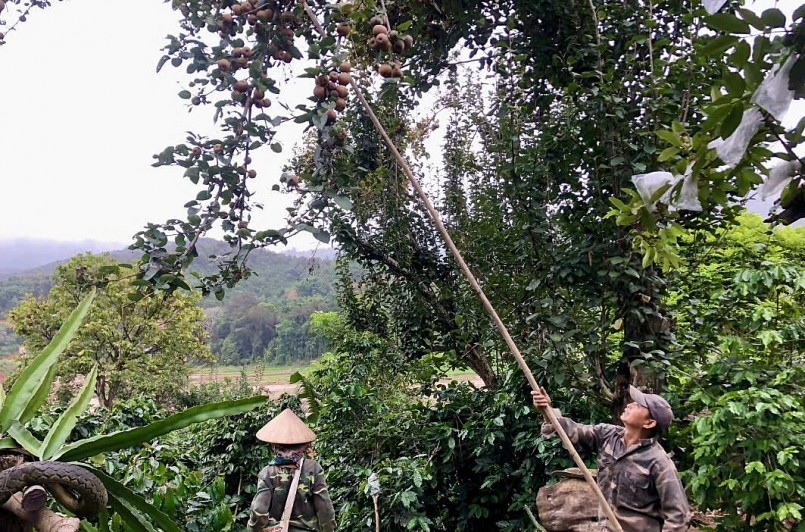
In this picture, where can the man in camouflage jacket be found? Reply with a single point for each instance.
(636, 476)
(312, 508)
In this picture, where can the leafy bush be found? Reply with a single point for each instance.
(749, 457)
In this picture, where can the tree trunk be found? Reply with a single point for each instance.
(44, 519)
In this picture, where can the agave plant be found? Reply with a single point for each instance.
(59, 466)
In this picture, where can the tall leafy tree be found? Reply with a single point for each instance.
(139, 345)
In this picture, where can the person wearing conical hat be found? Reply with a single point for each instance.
(312, 508)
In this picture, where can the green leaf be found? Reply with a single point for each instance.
(799, 13)
(9, 443)
(732, 120)
(39, 397)
(727, 22)
(132, 437)
(719, 44)
(669, 137)
(35, 375)
(343, 202)
(322, 236)
(667, 153)
(130, 515)
(133, 500)
(752, 19)
(24, 438)
(276, 147)
(63, 426)
(773, 17)
(734, 84)
(184, 95)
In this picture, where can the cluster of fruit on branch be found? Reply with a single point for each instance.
(386, 40)
(333, 86)
(273, 23)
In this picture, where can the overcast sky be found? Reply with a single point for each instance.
(82, 111)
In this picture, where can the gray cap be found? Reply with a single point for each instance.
(658, 408)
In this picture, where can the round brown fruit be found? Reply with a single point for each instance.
(340, 104)
(377, 29)
(223, 64)
(322, 80)
(288, 33)
(409, 41)
(385, 70)
(246, 51)
(344, 78)
(246, 7)
(372, 44)
(333, 75)
(237, 10)
(396, 72)
(258, 94)
(342, 91)
(196, 152)
(331, 116)
(286, 17)
(241, 85)
(383, 41)
(252, 173)
(196, 100)
(251, 19)
(218, 148)
(319, 92)
(345, 66)
(265, 102)
(398, 46)
(332, 85)
(343, 29)
(376, 20)
(293, 181)
(264, 15)
(334, 94)
(393, 35)
(287, 57)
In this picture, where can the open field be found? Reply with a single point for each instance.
(273, 379)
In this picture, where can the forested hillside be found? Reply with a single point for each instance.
(266, 315)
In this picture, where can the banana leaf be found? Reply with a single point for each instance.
(63, 426)
(133, 500)
(133, 517)
(37, 374)
(84, 449)
(39, 397)
(25, 439)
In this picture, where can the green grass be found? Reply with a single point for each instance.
(271, 374)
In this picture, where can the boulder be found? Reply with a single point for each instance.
(569, 505)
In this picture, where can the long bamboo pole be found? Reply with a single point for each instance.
(547, 412)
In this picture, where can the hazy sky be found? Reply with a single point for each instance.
(82, 111)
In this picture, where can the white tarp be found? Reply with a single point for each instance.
(711, 6)
(732, 149)
(648, 184)
(778, 179)
(772, 94)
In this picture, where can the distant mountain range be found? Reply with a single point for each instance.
(41, 256)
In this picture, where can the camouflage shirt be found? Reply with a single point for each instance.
(312, 508)
(640, 482)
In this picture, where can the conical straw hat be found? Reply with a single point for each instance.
(286, 429)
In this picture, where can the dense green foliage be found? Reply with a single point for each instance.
(143, 345)
(265, 318)
(570, 101)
